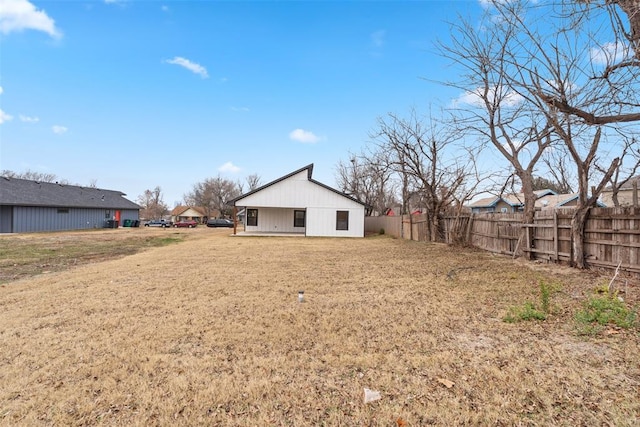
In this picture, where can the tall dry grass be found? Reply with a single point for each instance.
(210, 332)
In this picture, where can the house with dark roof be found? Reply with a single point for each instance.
(30, 206)
(298, 204)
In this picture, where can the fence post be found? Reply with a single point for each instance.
(469, 228)
(555, 234)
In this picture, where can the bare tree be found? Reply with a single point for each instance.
(253, 181)
(424, 155)
(580, 97)
(492, 108)
(626, 26)
(559, 166)
(629, 165)
(610, 91)
(367, 178)
(213, 194)
(542, 183)
(32, 176)
(153, 206)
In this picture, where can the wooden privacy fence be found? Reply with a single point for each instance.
(612, 235)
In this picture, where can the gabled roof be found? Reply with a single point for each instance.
(24, 192)
(179, 210)
(627, 185)
(486, 202)
(309, 169)
(510, 199)
(560, 200)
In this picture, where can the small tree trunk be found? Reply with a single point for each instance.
(529, 212)
(435, 227)
(632, 9)
(578, 222)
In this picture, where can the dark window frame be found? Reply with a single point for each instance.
(252, 217)
(342, 224)
(63, 210)
(296, 220)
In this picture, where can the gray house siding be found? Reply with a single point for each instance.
(6, 219)
(27, 219)
(31, 206)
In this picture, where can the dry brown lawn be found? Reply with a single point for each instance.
(209, 331)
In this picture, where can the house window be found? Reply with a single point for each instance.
(342, 220)
(298, 218)
(107, 214)
(503, 210)
(252, 217)
(63, 210)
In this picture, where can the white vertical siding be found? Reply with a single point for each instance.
(296, 192)
(322, 222)
(276, 203)
(275, 220)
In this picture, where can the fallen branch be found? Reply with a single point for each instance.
(610, 287)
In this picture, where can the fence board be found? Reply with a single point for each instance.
(612, 235)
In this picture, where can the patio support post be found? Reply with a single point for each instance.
(235, 219)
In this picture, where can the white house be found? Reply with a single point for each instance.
(296, 203)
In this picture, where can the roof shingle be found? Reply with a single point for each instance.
(23, 192)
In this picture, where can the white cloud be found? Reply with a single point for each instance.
(28, 119)
(191, 66)
(610, 53)
(1, 90)
(474, 98)
(229, 167)
(4, 117)
(19, 15)
(377, 38)
(59, 130)
(164, 8)
(304, 136)
(241, 109)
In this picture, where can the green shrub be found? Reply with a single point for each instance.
(604, 310)
(529, 311)
(526, 311)
(381, 231)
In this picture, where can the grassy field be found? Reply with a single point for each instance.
(195, 327)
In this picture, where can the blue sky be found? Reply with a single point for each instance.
(138, 94)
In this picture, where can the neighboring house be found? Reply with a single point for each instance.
(507, 203)
(393, 211)
(554, 201)
(626, 193)
(296, 203)
(197, 213)
(546, 199)
(28, 206)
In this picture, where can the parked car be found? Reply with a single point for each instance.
(220, 223)
(186, 223)
(158, 223)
